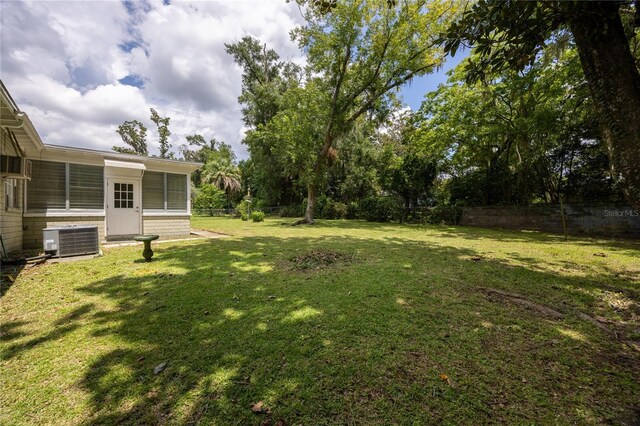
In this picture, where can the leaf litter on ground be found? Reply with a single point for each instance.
(316, 259)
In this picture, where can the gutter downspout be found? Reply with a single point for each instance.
(20, 118)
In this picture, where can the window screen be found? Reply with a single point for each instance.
(176, 192)
(86, 187)
(46, 190)
(153, 190)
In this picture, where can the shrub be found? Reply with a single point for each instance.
(419, 215)
(322, 205)
(381, 209)
(353, 212)
(257, 216)
(445, 214)
(243, 209)
(334, 210)
(295, 210)
(209, 197)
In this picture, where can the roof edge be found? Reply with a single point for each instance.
(27, 125)
(30, 129)
(117, 155)
(8, 98)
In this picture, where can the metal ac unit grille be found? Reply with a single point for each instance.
(72, 240)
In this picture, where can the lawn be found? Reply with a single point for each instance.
(337, 323)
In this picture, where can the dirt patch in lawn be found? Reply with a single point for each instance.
(316, 259)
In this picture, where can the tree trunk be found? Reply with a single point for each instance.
(316, 176)
(614, 83)
(311, 204)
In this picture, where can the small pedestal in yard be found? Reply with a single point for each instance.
(147, 253)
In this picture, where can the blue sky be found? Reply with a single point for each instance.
(81, 68)
(413, 93)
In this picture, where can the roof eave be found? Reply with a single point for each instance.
(116, 155)
(31, 131)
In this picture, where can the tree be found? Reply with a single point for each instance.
(133, 134)
(265, 78)
(407, 170)
(224, 176)
(353, 174)
(511, 34)
(208, 197)
(197, 150)
(220, 168)
(163, 132)
(517, 137)
(357, 56)
(202, 148)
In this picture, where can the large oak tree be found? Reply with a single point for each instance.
(359, 55)
(512, 33)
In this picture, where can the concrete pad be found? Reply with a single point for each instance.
(73, 258)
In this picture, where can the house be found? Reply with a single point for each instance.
(47, 185)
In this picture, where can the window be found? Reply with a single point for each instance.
(153, 191)
(176, 192)
(86, 187)
(11, 197)
(123, 195)
(64, 186)
(164, 191)
(47, 189)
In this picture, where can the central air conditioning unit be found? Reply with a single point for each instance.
(71, 240)
(15, 167)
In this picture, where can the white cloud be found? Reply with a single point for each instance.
(62, 62)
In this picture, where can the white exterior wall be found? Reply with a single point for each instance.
(11, 221)
(165, 223)
(167, 226)
(10, 218)
(35, 224)
(164, 226)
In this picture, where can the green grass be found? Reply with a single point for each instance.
(361, 336)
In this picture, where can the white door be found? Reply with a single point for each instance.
(123, 207)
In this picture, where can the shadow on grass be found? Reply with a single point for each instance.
(8, 276)
(10, 330)
(475, 233)
(359, 342)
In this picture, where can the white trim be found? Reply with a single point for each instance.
(165, 213)
(66, 213)
(161, 163)
(189, 194)
(67, 187)
(137, 202)
(164, 187)
(124, 164)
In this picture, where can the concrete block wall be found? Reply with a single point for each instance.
(167, 226)
(33, 226)
(597, 220)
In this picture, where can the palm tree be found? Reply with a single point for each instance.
(224, 175)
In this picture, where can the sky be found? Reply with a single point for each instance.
(81, 68)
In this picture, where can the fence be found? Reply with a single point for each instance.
(581, 219)
(231, 212)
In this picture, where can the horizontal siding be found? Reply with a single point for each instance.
(167, 226)
(11, 222)
(32, 234)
